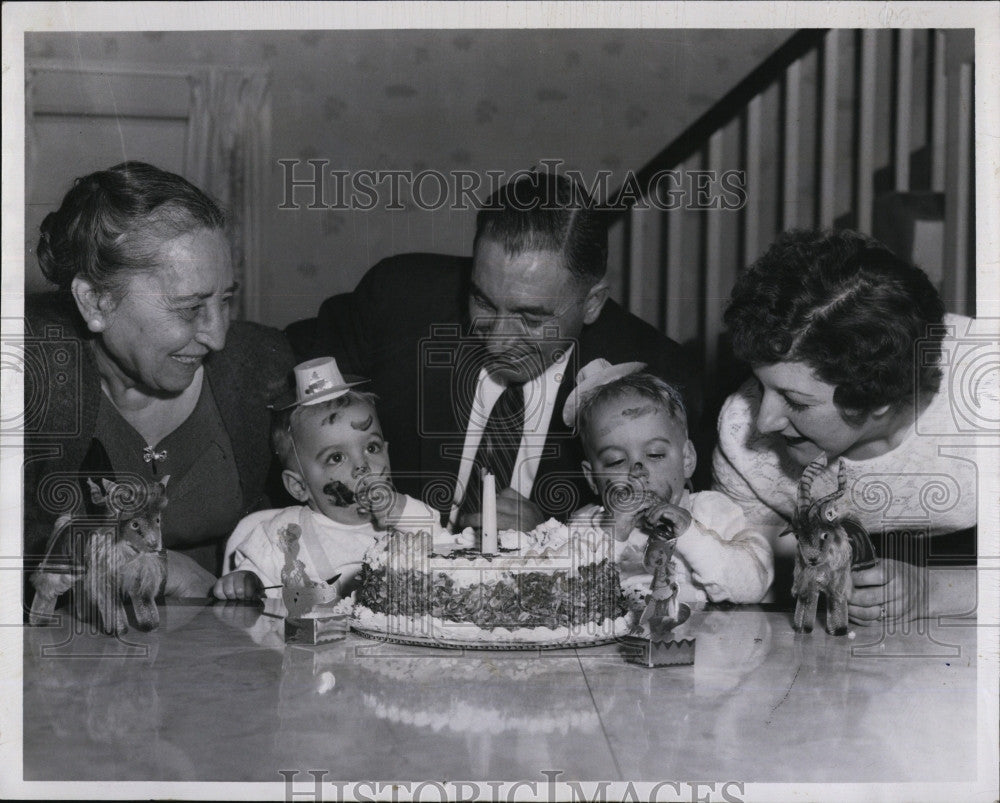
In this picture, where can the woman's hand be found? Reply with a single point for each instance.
(186, 577)
(891, 591)
(239, 585)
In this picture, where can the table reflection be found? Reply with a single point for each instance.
(216, 694)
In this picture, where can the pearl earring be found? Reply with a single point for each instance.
(95, 325)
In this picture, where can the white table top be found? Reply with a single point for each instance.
(216, 695)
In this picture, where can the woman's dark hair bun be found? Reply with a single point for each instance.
(110, 221)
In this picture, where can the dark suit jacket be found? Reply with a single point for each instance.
(403, 328)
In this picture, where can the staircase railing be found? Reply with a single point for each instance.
(866, 129)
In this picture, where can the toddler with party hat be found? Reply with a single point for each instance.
(336, 463)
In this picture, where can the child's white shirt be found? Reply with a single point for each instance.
(717, 558)
(326, 548)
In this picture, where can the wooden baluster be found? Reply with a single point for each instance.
(637, 260)
(674, 273)
(714, 296)
(754, 179)
(828, 135)
(904, 101)
(866, 132)
(617, 258)
(790, 157)
(938, 133)
(646, 277)
(956, 217)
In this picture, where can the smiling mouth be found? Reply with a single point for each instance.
(185, 359)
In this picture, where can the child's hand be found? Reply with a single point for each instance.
(349, 580)
(625, 508)
(667, 513)
(239, 585)
(377, 496)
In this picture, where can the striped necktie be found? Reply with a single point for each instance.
(499, 446)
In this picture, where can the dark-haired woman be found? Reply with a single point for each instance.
(164, 384)
(853, 358)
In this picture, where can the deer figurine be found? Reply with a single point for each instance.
(121, 558)
(661, 602)
(824, 554)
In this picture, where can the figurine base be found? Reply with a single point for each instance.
(649, 653)
(661, 641)
(316, 630)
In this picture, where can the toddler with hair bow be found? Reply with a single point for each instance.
(639, 460)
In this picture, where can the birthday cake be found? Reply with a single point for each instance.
(554, 585)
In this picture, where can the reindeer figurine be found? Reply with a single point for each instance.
(830, 543)
(122, 558)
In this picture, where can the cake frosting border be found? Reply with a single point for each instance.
(428, 628)
(465, 718)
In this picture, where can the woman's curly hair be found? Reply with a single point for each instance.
(846, 306)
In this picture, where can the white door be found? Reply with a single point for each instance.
(82, 118)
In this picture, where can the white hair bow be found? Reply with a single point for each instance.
(591, 377)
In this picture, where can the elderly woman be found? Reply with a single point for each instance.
(845, 340)
(159, 382)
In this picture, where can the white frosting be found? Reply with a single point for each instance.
(550, 546)
(432, 627)
(465, 717)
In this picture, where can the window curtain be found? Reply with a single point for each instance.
(227, 141)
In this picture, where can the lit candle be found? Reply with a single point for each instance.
(489, 514)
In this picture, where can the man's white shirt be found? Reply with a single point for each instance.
(539, 404)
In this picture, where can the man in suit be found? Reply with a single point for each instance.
(472, 364)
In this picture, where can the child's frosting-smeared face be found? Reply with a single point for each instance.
(338, 444)
(634, 443)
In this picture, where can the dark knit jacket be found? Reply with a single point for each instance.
(62, 394)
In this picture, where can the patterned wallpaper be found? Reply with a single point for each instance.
(481, 100)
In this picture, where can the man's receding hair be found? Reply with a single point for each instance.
(282, 421)
(645, 385)
(548, 212)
